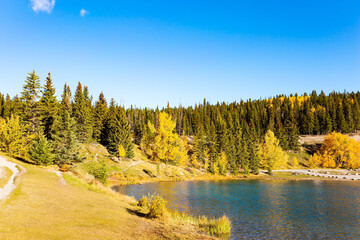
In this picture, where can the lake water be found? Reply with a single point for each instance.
(267, 209)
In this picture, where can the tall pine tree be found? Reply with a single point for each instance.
(29, 96)
(49, 107)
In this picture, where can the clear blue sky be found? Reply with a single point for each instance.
(146, 53)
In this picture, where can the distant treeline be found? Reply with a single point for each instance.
(234, 129)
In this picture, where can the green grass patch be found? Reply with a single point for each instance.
(302, 157)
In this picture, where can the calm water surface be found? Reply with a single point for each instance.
(267, 209)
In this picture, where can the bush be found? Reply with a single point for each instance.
(157, 207)
(154, 204)
(64, 168)
(99, 171)
(144, 202)
(148, 172)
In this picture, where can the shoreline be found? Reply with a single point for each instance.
(297, 175)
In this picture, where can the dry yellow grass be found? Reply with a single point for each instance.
(5, 174)
(42, 208)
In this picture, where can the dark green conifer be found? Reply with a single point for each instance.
(117, 132)
(29, 96)
(49, 107)
(100, 112)
(82, 114)
(7, 107)
(42, 152)
(65, 142)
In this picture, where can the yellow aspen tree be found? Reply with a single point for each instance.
(122, 151)
(182, 155)
(15, 138)
(147, 141)
(270, 153)
(223, 162)
(295, 162)
(194, 161)
(338, 150)
(163, 144)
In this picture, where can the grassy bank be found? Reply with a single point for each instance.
(43, 208)
(137, 170)
(140, 170)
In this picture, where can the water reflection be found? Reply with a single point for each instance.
(268, 209)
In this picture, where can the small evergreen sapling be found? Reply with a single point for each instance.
(42, 152)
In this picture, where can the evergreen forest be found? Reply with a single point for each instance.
(47, 126)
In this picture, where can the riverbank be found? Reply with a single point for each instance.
(287, 174)
(42, 208)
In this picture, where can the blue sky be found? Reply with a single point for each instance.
(147, 53)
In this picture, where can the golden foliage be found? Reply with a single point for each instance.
(122, 151)
(295, 162)
(223, 162)
(163, 143)
(14, 137)
(299, 99)
(270, 153)
(338, 150)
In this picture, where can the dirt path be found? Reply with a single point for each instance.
(131, 165)
(59, 174)
(317, 173)
(10, 186)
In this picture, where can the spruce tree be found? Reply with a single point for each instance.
(2, 105)
(49, 107)
(328, 122)
(7, 107)
(100, 113)
(340, 117)
(308, 118)
(253, 143)
(29, 96)
(42, 152)
(292, 132)
(65, 142)
(82, 114)
(117, 132)
(238, 147)
(245, 156)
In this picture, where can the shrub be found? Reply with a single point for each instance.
(144, 202)
(122, 151)
(154, 204)
(64, 168)
(157, 207)
(99, 171)
(148, 172)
